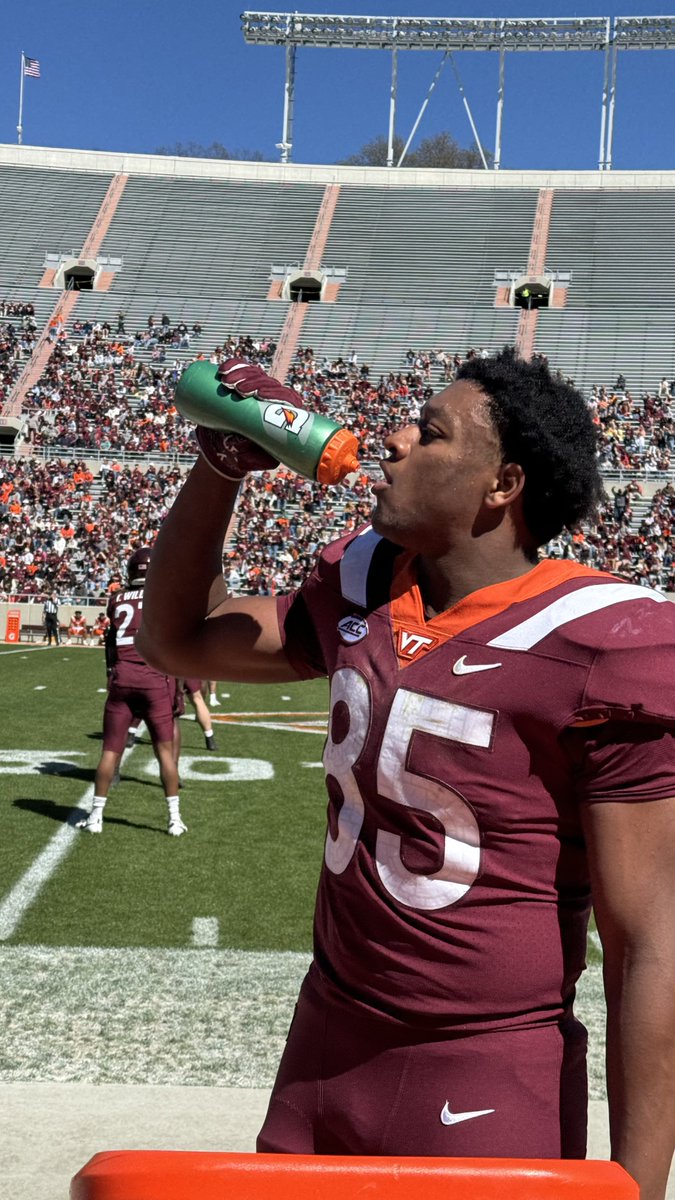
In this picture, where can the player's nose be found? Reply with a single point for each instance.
(399, 443)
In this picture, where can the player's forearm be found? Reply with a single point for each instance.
(185, 578)
(641, 1067)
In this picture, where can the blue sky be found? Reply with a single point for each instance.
(137, 75)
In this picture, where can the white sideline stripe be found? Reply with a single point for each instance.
(569, 608)
(24, 650)
(33, 880)
(205, 931)
(27, 889)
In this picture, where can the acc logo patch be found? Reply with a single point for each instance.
(353, 629)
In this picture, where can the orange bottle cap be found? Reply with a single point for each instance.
(338, 458)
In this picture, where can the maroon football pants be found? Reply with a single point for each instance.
(153, 704)
(349, 1083)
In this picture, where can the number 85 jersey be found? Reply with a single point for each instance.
(454, 892)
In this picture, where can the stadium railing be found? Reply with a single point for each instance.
(106, 458)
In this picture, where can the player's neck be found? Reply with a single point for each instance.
(443, 582)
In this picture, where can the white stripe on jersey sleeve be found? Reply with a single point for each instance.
(355, 565)
(569, 608)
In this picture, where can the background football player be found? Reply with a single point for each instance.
(500, 747)
(192, 689)
(136, 691)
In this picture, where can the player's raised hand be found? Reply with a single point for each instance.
(248, 379)
(232, 455)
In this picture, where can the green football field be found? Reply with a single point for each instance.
(140, 958)
(254, 811)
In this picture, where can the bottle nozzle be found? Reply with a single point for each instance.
(338, 457)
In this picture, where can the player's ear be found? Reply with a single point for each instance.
(508, 485)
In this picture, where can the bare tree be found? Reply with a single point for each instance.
(440, 150)
(215, 150)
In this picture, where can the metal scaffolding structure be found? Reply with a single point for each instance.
(500, 35)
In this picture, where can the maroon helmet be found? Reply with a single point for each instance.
(137, 567)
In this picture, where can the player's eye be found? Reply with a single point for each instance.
(427, 432)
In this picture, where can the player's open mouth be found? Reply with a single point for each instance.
(381, 484)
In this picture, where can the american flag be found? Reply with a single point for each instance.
(31, 67)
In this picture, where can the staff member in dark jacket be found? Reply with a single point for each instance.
(50, 611)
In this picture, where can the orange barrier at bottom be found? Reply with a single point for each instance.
(181, 1175)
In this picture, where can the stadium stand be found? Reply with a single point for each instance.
(618, 247)
(101, 448)
(43, 210)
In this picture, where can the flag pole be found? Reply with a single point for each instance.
(19, 128)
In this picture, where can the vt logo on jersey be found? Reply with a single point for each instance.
(353, 629)
(412, 644)
(286, 417)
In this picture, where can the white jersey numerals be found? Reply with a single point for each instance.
(127, 613)
(410, 711)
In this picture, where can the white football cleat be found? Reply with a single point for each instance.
(93, 823)
(176, 827)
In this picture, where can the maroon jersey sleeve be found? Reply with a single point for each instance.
(631, 686)
(624, 762)
(295, 615)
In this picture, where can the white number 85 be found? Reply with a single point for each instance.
(410, 711)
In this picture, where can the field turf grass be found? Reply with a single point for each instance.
(135, 957)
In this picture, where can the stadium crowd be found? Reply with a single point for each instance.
(101, 393)
(18, 335)
(110, 392)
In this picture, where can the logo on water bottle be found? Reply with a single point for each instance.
(286, 417)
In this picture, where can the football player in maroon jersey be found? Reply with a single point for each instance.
(500, 751)
(136, 691)
(192, 689)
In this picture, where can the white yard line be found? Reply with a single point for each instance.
(27, 889)
(24, 650)
(205, 931)
(33, 880)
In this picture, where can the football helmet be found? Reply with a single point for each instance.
(137, 566)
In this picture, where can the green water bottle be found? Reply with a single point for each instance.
(307, 442)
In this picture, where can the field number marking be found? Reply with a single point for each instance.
(227, 770)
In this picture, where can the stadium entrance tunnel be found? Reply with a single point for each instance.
(71, 273)
(305, 287)
(9, 430)
(531, 292)
(79, 278)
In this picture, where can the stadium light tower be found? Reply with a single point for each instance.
(447, 34)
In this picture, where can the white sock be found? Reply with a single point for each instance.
(173, 803)
(133, 729)
(212, 698)
(208, 732)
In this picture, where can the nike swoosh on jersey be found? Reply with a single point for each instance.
(451, 1118)
(462, 667)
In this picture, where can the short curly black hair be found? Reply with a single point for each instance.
(545, 425)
